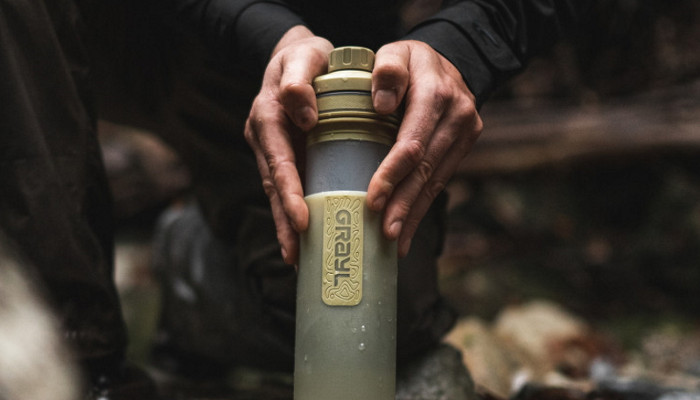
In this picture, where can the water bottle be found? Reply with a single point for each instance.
(346, 297)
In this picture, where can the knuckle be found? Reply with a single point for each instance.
(262, 112)
(248, 133)
(318, 55)
(438, 96)
(291, 90)
(403, 207)
(478, 125)
(469, 109)
(277, 168)
(391, 70)
(475, 127)
(269, 187)
(384, 184)
(273, 165)
(466, 112)
(414, 150)
(425, 170)
(467, 121)
(442, 94)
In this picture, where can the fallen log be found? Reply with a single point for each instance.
(522, 135)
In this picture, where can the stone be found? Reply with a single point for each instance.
(545, 337)
(491, 365)
(437, 375)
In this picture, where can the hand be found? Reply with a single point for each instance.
(286, 106)
(440, 125)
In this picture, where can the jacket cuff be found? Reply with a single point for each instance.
(462, 34)
(258, 30)
(461, 53)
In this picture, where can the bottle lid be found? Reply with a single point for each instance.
(351, 57)
(349, 68)
(344, 99)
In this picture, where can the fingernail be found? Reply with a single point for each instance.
(304, 116)
(395, 229)
(284, 254)
(385, 100)
(378, 204)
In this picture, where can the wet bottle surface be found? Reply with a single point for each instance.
(346, 297)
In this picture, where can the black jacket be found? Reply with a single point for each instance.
(487, 40)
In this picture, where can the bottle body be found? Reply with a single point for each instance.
(346, 296)
(345, 352)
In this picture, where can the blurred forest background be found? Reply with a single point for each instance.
(584, 185)
(584, 189)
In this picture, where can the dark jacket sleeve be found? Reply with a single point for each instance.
(489, 41)
(246, 30)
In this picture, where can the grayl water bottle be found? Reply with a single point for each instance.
(346, 299)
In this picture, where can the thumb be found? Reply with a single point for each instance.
(390, 77)
(297, 96)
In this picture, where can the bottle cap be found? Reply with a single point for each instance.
(344, 99)
(351, 57)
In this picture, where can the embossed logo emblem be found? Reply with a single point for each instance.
(342, 250)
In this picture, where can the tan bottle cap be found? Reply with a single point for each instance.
(344, 99)
(351, 57)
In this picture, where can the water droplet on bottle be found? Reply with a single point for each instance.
(379, 302)
(306, 357)
(353, 329)
(364, 328)
(361, 347)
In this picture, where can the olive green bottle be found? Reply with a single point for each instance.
(346, 299)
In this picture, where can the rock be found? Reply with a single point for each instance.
(537, 392)
(680, 396)
(629, 389)
(143, 172)
(438, 375)
(544, 337)
(670, 350)
(634, 382)
(491, 366)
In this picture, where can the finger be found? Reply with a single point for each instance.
(411, 186)
(390, 77)
(268, 130)
(429, 192)
(454, 136)
(286, 235)
(277, 149)
(295, 91)
(422, 115)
